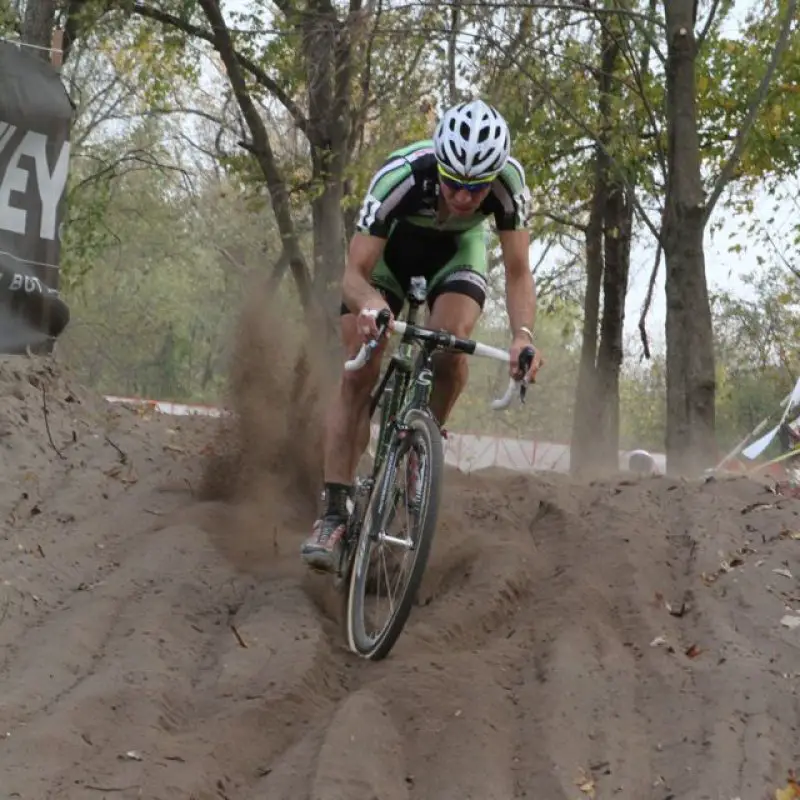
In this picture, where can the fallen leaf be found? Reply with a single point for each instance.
(586, 784)
(790, 792)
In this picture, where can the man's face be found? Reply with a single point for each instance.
(462, 198)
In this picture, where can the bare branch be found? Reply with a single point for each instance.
(569, 223)
(452, 41)
(260, 147)
(712, 13)
(570, 114)
(137, 156)
(582, 8)
(256, 71)
(779, 252)
(359, 116)
(648, 300)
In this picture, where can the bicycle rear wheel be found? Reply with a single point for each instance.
(422, 440)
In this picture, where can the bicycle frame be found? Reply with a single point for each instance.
(404, 370)
(419, 373)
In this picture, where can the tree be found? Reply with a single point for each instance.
(329, 54)
(595, 432)
(38, 24)
(690, 355)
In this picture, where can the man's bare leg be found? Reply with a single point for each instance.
(457, 314)
(346, 439)
(347, 423)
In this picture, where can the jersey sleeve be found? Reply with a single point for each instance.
(387, 189)
(513, 212)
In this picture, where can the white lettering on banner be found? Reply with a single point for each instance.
(50, 186)
(28, 284)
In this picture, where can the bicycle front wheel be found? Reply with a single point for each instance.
(388, 566)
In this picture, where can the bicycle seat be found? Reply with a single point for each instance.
(418, 289)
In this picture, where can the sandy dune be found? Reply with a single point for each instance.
(160, 639)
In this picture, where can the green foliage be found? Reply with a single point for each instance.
(146, 232)
(9, 18)
(95, 179)
(729, 71)
(153, 310)
(643, 410)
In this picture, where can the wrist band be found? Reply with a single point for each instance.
(526, 331)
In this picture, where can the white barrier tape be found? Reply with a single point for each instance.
(465, 452)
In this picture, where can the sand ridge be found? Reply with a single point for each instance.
(160, 639)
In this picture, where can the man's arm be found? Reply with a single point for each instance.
(365, 250)
(520, 287)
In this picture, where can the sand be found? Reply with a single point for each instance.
(160, 638)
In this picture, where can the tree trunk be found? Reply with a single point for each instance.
(587, 414)
(38, 24)
(618, 221)
(594, 438)
(328, 55)
(329, 246)
(691, 384)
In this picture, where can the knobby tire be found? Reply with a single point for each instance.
(422, 425)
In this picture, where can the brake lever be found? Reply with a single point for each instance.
(525, 360)
(362, 357)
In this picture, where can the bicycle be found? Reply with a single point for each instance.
(407, 429)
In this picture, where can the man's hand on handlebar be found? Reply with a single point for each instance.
(525, 360)
(369, 325)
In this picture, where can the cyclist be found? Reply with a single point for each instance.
(425, 212)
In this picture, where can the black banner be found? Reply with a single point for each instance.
(35, 123)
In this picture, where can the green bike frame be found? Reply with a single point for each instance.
(392, 391)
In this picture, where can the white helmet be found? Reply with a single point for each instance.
(472, 140)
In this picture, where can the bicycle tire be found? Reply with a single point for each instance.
(421, 426)
(392, 400)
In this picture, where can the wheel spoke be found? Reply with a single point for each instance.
(410, 544)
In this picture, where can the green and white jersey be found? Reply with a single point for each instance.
(406, 187)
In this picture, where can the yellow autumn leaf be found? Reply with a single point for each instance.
(790, 792)
(775, 113)
(586, 784)
(587, 787)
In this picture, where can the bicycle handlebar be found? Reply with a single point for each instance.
(468, 346)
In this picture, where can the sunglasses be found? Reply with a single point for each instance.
(457, 184)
